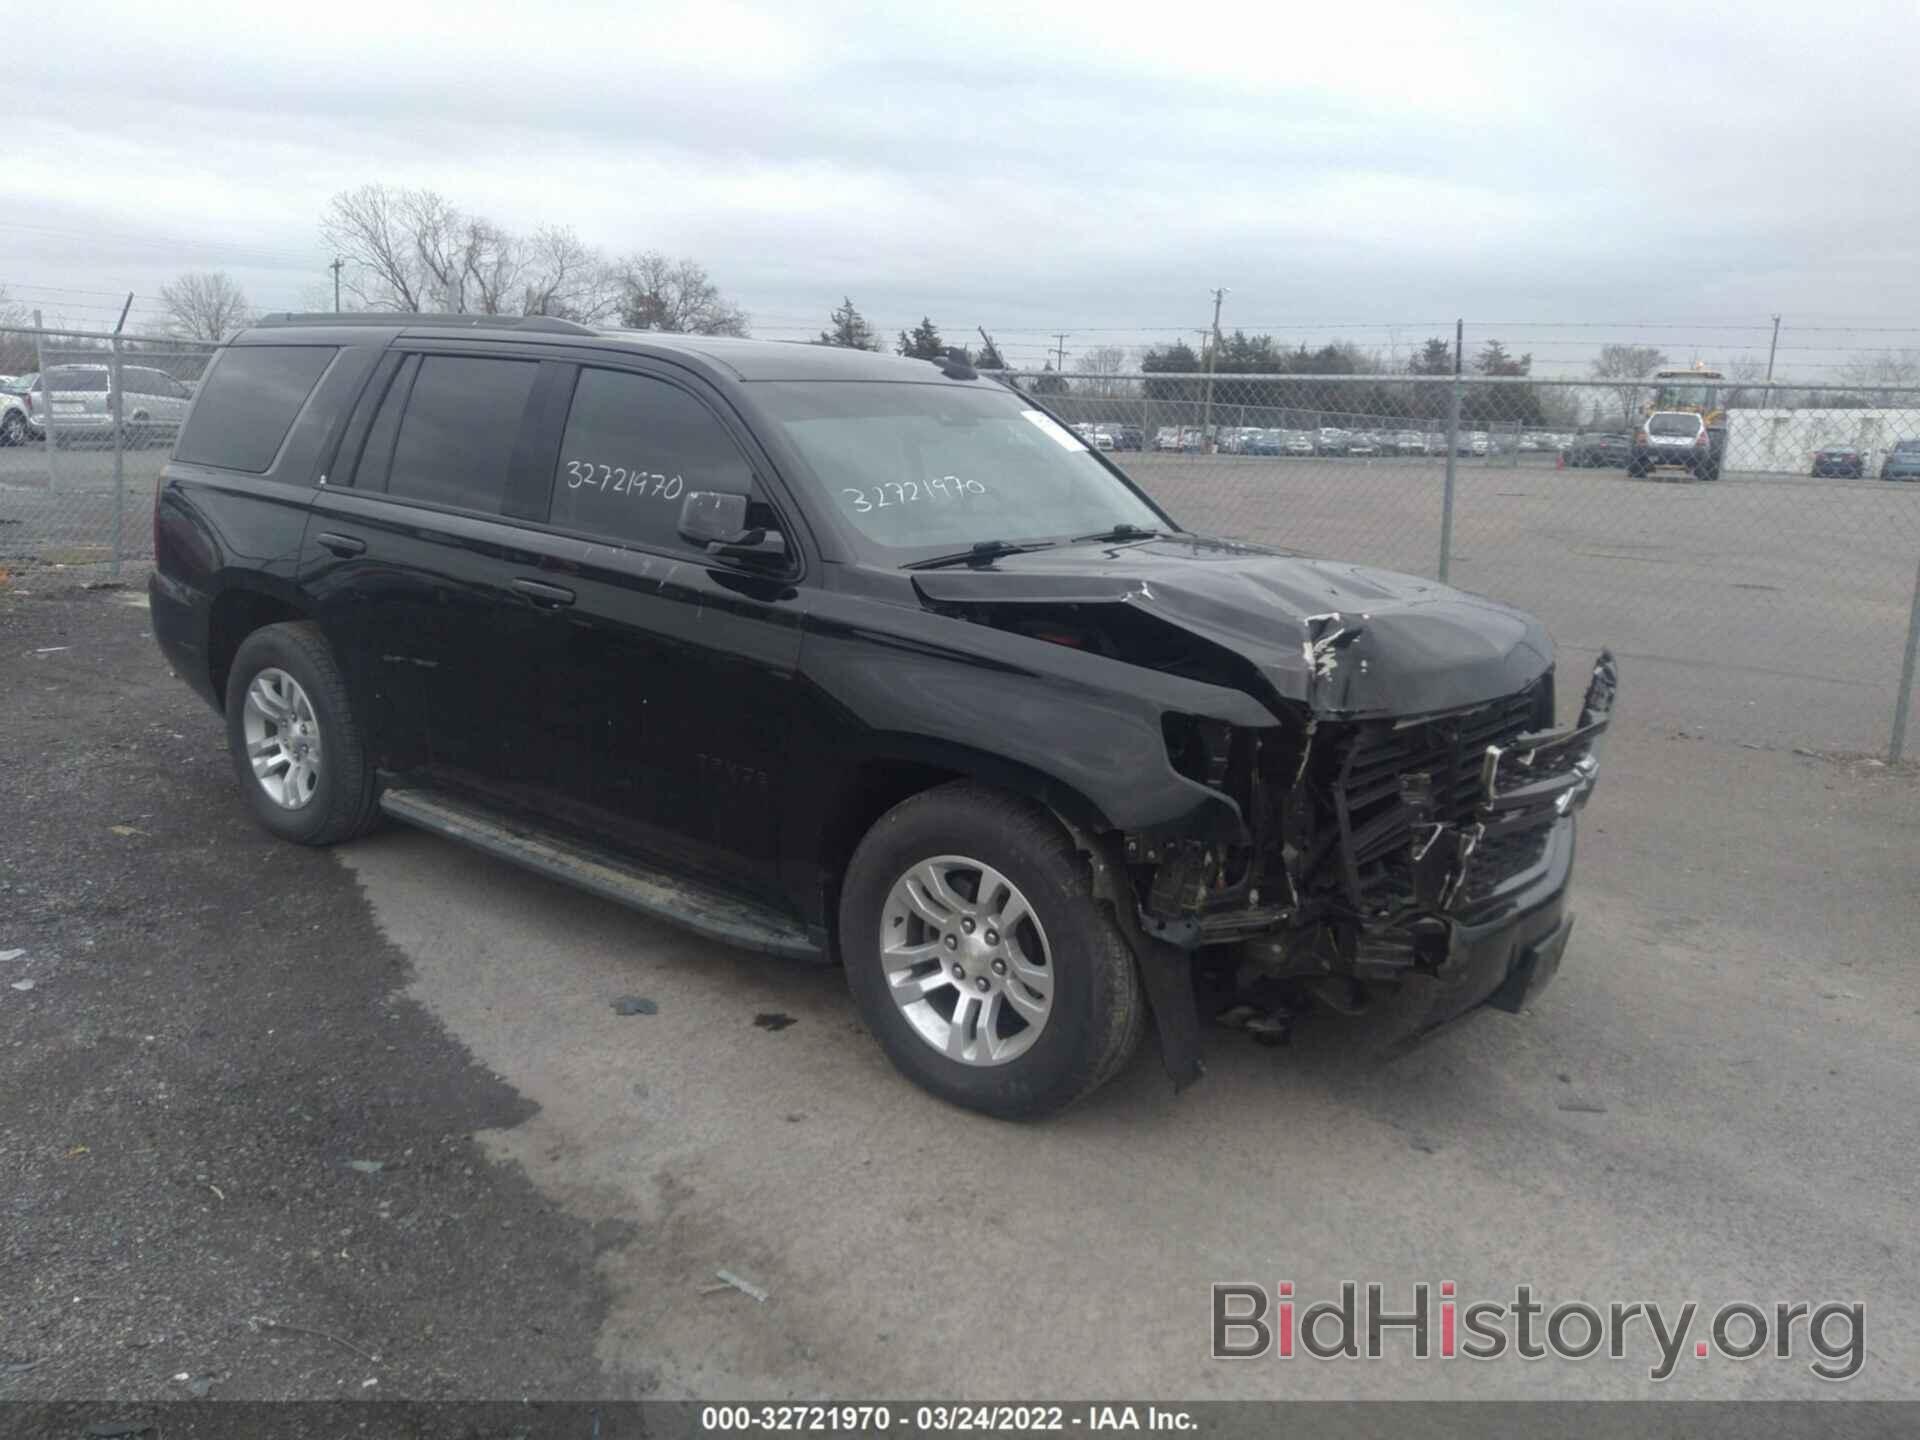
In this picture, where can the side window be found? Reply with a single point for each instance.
(455, 445)
(634, 447)
(249, 401)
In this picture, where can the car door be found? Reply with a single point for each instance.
(411, 554)
(664, 698)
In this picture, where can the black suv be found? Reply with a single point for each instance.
(833, 654)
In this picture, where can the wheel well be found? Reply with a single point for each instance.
(237, 614)
(878, 786)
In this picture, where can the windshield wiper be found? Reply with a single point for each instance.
(1121, 532)
(982, 552)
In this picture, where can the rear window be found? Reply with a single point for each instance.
(1673, 425)
(249, 402)
(85, 379)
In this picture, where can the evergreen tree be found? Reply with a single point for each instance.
(850, 330)
(923, 342)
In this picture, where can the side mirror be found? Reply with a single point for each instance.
(716, 520)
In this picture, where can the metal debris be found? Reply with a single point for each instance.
(11, 954)
(773, 1020)
(1583, 1107)
(367, 1167)
(635, 1005)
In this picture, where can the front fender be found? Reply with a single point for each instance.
(1078, 732)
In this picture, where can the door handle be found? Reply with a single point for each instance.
(547, 597)
(342, 545)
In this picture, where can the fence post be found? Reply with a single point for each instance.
(1905, 697)
(118, 411)
(1446, 501)
(47, 445)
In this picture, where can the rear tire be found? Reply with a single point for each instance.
(301, 715)
(1095, 1011)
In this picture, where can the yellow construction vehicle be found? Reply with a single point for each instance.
(1671, 437)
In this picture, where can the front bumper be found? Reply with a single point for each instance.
(1501, 943)
(1503, 955)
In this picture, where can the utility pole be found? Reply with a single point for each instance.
(1206, 412)
(335, 267)
(1060, 351)
(1772, 350)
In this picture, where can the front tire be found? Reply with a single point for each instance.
(297, 749)
(979, 957)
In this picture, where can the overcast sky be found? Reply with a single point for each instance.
(1367, 171)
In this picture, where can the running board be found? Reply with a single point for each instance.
(687, 903)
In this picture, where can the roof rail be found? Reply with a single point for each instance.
(406, 320)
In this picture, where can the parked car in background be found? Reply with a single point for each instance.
(152, 404)
(16, 424)
(1125, 437)
(1678, 440)
(1902, 462)
(929, 695)
(1364, 442)
(1840, 462)
(1265, 442)
(1409, 442)
(1298, 442)
(1167, 437)
(1331, 440)
(1598, 451)
(1478, 443)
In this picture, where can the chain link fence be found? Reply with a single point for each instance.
(1755, 554)
(87, 419)
(1757, 562)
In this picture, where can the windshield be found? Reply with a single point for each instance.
(1673, 425)
(912, 466)
(1676, 396)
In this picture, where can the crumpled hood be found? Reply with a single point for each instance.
(1401, 645)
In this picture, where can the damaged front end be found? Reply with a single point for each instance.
(1421, 860)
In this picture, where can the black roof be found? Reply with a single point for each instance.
(741, 359)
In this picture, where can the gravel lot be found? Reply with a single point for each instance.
(1713, 1103)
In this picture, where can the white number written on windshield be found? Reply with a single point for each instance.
(909, 492)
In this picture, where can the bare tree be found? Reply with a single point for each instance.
(411, 249)
(1882, 367)
(657, 293)
(1627, 362)
(568, 278)
(1107, 367)
(205, 306)
(369, 230)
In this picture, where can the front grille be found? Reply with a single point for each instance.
(1378, 825)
